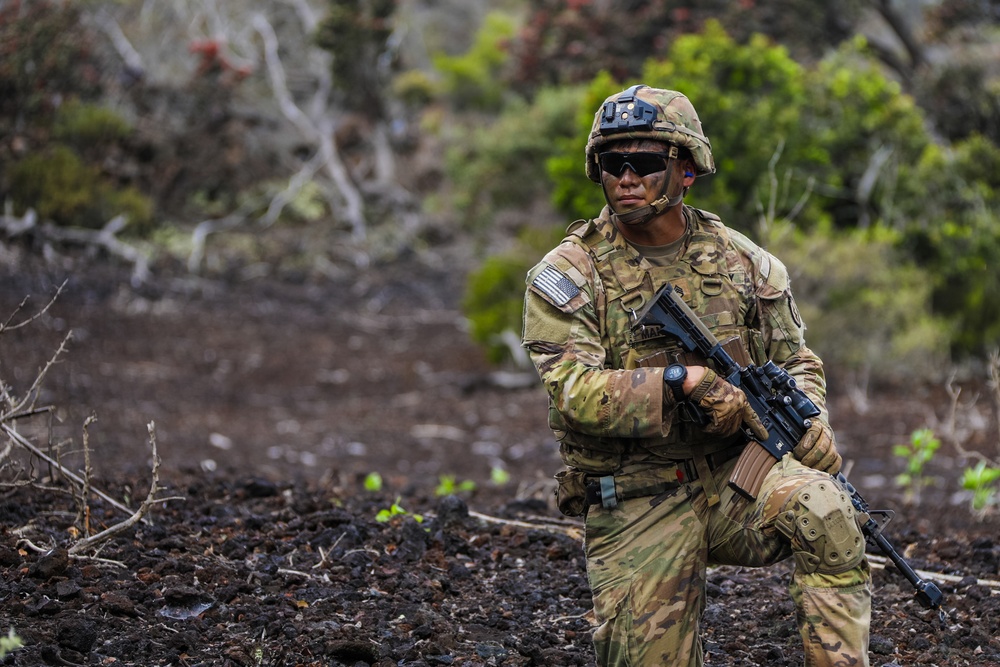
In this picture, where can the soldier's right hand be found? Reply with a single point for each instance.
(725, 406)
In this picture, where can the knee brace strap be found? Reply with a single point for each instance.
(821, 523)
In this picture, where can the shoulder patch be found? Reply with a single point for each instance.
(554, 284)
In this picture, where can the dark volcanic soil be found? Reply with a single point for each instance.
(273, 401)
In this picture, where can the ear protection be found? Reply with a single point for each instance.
(688, 174)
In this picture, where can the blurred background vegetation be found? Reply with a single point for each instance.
(316, 139)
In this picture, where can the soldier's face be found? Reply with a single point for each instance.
(626, 189)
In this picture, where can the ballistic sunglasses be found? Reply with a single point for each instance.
(641, 163)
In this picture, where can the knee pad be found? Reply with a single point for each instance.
(821, 523)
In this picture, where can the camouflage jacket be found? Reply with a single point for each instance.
(605, 383)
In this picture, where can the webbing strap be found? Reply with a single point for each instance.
(609, 498)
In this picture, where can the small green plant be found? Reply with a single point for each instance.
(394, 510)
(981, 480)
(499, 476)
(916, 454)
(373, 482)
(448, 486)
(9, 643)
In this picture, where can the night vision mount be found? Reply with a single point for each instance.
(627, 114)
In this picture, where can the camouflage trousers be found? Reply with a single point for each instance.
(647, 560)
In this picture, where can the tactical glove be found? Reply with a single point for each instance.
(818, 449)
(725, 406)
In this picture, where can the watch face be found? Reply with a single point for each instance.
(675, 372)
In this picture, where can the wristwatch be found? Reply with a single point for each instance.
(674, 377)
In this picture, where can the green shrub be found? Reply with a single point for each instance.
(60, 187)
(472, 79)
(950, 229)
(503, 166)
(83, 125)
(867, 308)
(137, 208)
(57, 184)
(494, 302)
(414, 88)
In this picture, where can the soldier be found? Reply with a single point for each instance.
(650, 481)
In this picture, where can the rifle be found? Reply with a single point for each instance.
(786, 412)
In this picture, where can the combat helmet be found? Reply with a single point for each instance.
(642, 112)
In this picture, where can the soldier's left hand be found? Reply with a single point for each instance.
(818, 448)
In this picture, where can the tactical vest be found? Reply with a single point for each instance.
(711, 277)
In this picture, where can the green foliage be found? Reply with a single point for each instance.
(750, 98)
(915, 454)
(56, 184)
(826, 124)
(472, 80)
(82, 125)
(867, 308)
(837, 146)
(868, 130)
(503, 166)
(10, 643)
(394, 510)
(981, 480)
(449, 486)
(414, 88)
(62, 188)
(494, 301)
(950, 229)
(572, 192)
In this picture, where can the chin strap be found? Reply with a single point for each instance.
(646, 213)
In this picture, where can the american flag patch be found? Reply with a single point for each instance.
(552, 283)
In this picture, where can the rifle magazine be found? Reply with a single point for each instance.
(751, 469)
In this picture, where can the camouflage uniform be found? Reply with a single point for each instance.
(671, 513)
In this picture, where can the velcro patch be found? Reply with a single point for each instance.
(554, 284)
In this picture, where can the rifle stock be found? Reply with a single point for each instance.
(786, 412)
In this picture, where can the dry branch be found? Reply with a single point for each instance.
(21, 406)
(318, 130)
(137, 516)
(27, 444)
(7, 326)
(105, 238)
(24, 406)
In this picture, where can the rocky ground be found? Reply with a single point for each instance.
(273, 403)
